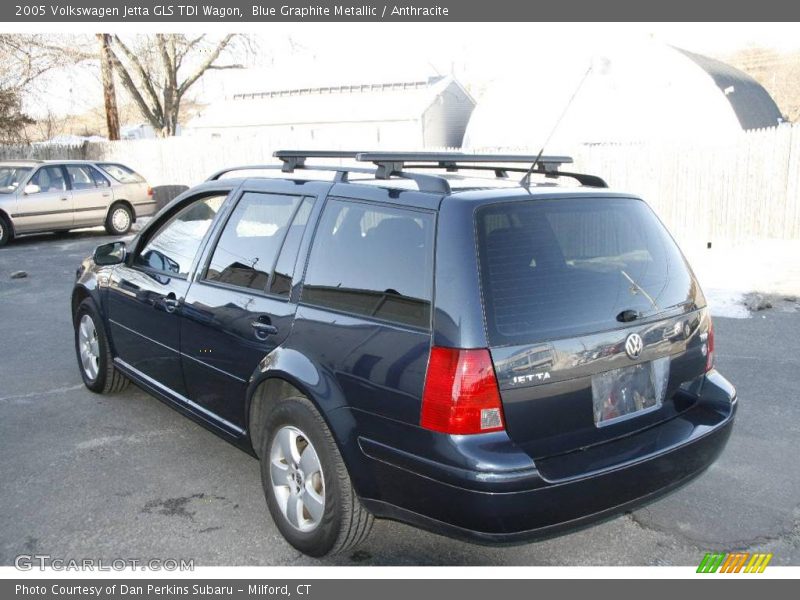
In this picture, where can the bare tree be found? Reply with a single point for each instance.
(109, 95)
(23, 59)
(157, 71)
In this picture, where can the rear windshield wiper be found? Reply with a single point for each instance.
(640, 289)
(628, 315)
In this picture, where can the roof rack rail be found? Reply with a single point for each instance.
(389, 162)
(295, 160)
(394, 164)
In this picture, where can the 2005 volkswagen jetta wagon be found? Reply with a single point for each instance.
(408, 338)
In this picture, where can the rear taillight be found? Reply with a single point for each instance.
(461, 394)
(710, 347)
(150, 192)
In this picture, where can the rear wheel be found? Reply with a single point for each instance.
(306, 483)
(94, 353)
(119, 219)
(5, 231)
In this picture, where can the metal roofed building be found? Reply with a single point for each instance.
(430, 113)
(634, 92)
(751, 103)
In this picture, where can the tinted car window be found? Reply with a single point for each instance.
(284, 268)
(373, 261)
(556, 268)
(80, 177)
(173, 247)
(50, 179)
(247, 248)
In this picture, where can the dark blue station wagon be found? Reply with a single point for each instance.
(490, 360)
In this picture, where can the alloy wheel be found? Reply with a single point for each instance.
(89, 347)
(297, 479)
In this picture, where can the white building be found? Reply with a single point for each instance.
(431, 113)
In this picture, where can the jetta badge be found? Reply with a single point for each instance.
(634, 346)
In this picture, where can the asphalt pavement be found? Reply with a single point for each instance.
(125, 476)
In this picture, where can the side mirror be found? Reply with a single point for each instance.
(32, 188)
(113, 253)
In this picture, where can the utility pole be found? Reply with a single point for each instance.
(109, 96)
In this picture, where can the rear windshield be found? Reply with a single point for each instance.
(571, 266)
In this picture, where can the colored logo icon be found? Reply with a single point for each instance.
(735, 562)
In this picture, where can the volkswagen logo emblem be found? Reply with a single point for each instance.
(634, 346)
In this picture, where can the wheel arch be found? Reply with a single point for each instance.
(282, 373)
(7, 218)
(79, 294)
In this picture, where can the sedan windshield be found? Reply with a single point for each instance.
(11, 177)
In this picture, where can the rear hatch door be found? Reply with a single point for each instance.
(595, 321)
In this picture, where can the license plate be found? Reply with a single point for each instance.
(630, 391)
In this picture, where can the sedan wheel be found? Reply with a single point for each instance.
(89, 347)
(121, 219)
(298, 482)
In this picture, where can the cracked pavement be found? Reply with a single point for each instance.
(126, 477)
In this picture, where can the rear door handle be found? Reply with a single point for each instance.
(263, 329)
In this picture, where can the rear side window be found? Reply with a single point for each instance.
(249, 244)
(571, 266)
(121, 172)
(80, 177)
(99, 180)
(373, 261)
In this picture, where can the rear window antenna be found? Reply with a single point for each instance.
(526, 179)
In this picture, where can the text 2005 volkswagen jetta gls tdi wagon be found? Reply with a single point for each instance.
(494, 361)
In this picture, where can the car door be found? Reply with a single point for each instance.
(239, 309)
(145, 293)
(48, 206)
(89, 201)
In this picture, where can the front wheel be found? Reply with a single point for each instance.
(5, 231)
(94, 353)
(119, 219)
(306, 483)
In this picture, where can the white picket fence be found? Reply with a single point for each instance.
(746, 187)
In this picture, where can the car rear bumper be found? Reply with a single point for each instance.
(556, 494)
(145, 208)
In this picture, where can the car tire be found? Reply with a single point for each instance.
(5, 231)
(94, 353)
(119, 219)
(341, 523)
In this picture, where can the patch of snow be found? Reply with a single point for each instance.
(728, 271)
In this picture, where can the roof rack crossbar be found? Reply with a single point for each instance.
(293, 159)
